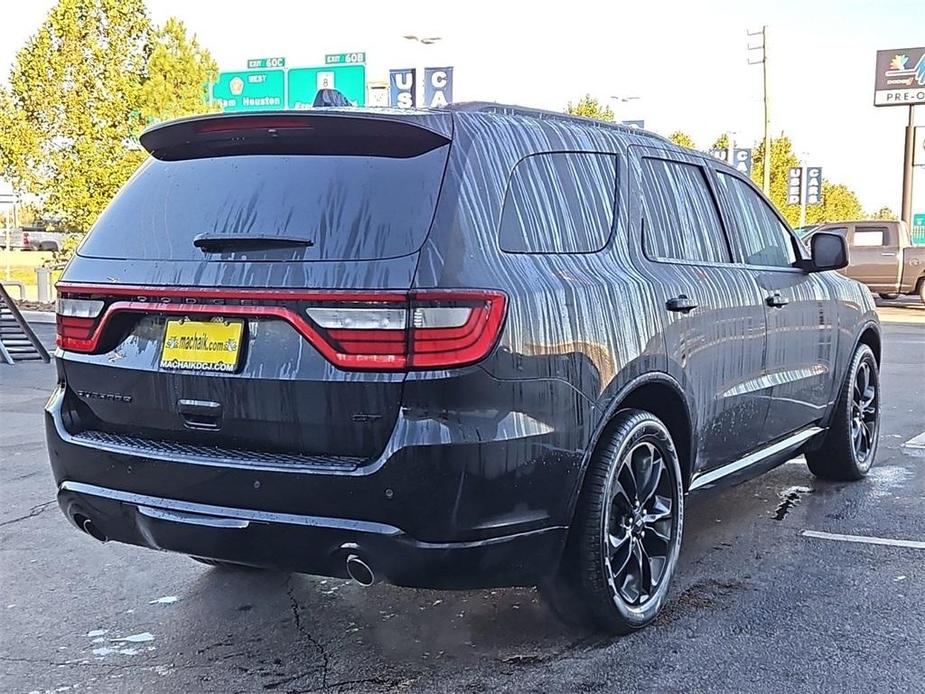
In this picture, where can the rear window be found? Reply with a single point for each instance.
(348, 207)
(868, 236)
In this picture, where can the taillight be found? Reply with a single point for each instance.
(76, 323)
(25, 239)
(433, 329)
(359, 330)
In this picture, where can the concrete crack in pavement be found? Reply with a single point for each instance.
(297, 617)
(33, 512)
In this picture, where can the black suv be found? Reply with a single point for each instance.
(476, 346)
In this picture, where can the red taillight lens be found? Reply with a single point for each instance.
(432, 330)
(365, 330)
(76, 323)
(454, 328)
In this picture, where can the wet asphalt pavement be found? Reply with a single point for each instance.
(755, 606)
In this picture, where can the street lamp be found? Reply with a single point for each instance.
(425, 40)
(622, 100)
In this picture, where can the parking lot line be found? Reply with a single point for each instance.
(915, 445)
(863, 539)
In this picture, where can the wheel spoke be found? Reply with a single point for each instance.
(865, 438)
(631, 586)
(627, 480)
(620, 557)
(621, 501)
(659, 509)
(616, 542)
(647, 585)
(642, 460)
(862, 382)
(655, 477)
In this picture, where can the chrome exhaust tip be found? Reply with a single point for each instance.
(89, 527)
(359, 571)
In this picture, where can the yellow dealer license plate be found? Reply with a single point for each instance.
(213, 345)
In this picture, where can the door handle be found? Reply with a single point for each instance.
(681, 304)
(889, 255)
(777, 301)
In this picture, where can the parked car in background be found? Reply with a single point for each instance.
(471, 347)
(804, 231)
(881, 255)
(34, 239)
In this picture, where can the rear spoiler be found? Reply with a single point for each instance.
(297, 132)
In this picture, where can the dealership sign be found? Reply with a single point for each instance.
(900, 78)
(403, 88)
(438, 86)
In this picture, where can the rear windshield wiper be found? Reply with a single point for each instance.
(215, 243)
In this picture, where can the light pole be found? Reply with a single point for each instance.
(763, 62)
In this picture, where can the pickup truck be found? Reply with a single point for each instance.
(33, 239)
(881, 255)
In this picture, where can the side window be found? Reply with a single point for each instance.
(681, 219)
(760, 238)
(559, 203)
(868, 236)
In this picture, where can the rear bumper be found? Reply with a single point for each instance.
(309, 544)
(432, 513)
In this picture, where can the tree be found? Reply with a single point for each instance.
(839, 203)
(782, 158)
(178, 73)
(589, 107)
(679, 137)
(721, 142)
(81, 90)
(884, 213)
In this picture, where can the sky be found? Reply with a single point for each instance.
(685, 61)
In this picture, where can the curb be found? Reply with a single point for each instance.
(46, 317)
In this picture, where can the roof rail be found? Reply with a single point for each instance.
(541, 114)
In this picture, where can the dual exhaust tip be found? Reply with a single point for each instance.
(357, 569)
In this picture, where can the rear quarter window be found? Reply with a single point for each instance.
(559, 202)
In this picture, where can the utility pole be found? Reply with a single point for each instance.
(906, 214)
(763, 61)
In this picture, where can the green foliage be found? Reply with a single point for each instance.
(589, 107)
(81, 90)
(679, 137)
(839, 203)
(178, 73)
(884, 213)
(782, 158)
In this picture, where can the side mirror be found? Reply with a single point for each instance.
(828, 251)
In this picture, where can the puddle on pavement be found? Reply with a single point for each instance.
(789, 498)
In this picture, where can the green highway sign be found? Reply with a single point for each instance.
(250, 90)
(304, 82)
(345, 58)
(265, 63)
(918, 229)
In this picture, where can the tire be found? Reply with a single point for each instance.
(922, 291)
(621, 554)
(850, 446)
(888, 297)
